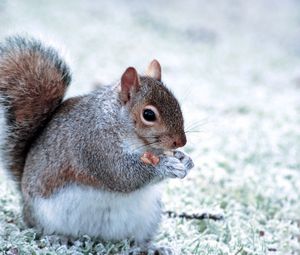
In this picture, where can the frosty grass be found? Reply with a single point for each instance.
(235, 67)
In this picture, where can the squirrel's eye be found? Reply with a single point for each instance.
(149, 115)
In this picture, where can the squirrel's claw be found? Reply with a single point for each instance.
(184, 159)
(177, 166)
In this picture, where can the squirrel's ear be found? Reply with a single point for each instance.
(130, 82)
(154, 70)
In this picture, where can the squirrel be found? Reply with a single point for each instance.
(90, 164)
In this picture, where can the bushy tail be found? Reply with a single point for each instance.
(33, 81)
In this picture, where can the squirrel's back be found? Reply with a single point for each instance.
(33, 82)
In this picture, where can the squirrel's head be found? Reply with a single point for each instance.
(153, 108)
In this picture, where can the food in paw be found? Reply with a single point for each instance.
(150, 159)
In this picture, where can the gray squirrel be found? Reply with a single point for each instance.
(90, 164)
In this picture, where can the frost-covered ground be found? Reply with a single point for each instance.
(235, 66)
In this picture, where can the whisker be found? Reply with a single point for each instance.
(136, 142)
(193, 131)
(196, 125)
(136, 136)
(147, 144)
(186, 94)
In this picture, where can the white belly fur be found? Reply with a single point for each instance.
(77, 210)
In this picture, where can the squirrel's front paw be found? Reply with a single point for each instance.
(173, 168)
(184, 159)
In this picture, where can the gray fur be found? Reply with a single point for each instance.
(89, 136)
(85, 141)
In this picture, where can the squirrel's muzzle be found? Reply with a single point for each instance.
(179, 141)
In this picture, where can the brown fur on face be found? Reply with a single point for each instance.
(168, 131)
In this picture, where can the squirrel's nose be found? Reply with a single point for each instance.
(179, 141)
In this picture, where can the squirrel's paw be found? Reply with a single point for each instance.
(184, 159)
(173, 168)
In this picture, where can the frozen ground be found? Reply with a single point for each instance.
(235, 66)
